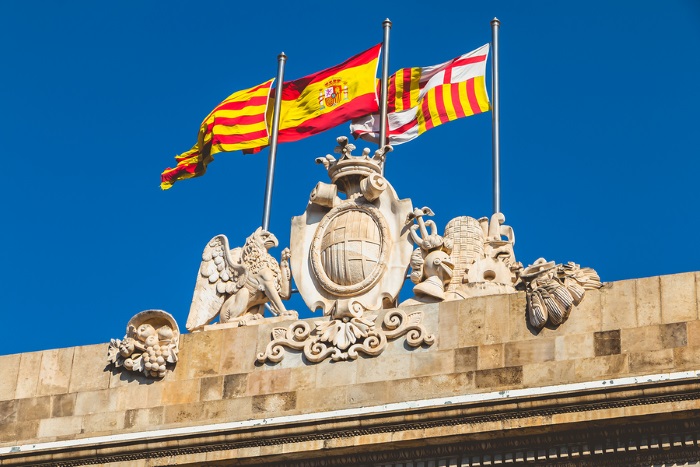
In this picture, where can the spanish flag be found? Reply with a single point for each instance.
(329, 97)
(422, 98)
(237, 123)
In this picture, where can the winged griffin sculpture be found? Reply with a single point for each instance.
(236, 284)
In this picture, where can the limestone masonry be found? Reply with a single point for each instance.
(616, 384)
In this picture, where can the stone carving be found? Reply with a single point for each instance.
(150, 344)
(431, 264)
(237, 284)
(351, 254)
(554, 289)
(345, 339)
(473, 258)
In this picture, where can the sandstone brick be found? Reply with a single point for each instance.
(8, 412)
(497, 325)
(490, 356)
(63, 405)
(63, 426)
(304, 377)
(587, 317)
(180, 392)
(238, 349)
(466, 359)
(322, 399)
(34, 408)
(268, 382)
(200, 355)
(517, 315)
(96, 401)
(427, 387)
(472, 322)
(329, 373)
(235, 386)
(138, 396)
(184, 413)
(693, 333)
(642, 339)
(90, 371)
(591, 369)
(549, 373)
(569, 347)
(607, 343)
(647, 362)
(431, 363)
(674, 335)
(533, 351)
(143, 418)
(103, 422)
(618, 302)
(361, 395)
(231, 409)
(385, 367)
(211, 388)
(19, 430)
(678, 298)
(28, 374)
(648, 301)
(54, 375)
(686, 358)
(448, 328)
(9, 368)
(498, 377)
(274, 403)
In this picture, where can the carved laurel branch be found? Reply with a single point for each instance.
(346, 339)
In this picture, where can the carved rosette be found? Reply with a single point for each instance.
(150, 346)
(345, 339)
(554, 290)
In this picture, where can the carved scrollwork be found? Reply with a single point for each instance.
(347, 338)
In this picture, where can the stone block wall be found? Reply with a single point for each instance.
(636, 327)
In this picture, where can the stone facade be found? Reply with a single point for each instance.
(616, 384)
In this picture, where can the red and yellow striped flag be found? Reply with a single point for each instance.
(237, 123)
(422, 98)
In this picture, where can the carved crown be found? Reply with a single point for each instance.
(349, 164)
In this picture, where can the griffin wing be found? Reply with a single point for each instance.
(221, 274)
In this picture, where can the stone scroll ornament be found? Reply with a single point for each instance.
(150, 345)
(350, 254)
(237, 284)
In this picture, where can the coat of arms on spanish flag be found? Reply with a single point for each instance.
(329, 97)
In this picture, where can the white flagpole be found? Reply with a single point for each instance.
(384, 103)
(271, 160)
(495, 123)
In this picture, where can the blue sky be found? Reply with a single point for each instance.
(599, 141)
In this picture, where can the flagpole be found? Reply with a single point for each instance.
(384, 104)
(271, 159)
(495, 122)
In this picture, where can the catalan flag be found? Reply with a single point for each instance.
(422, 98)
(329, 97)
(237, 123)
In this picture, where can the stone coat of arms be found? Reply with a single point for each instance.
(350, 253)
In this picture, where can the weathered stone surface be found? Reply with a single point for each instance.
(28, 374)
(275, 403)
(648, 301)
(466, 359)
(9, 365)
(618, 301)
(499, 377)
(211, 388)
(678, 298)
(651, 362)
(570, 347)
(539, 350)
(34, 408)
(54, 375)
(606, 343)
